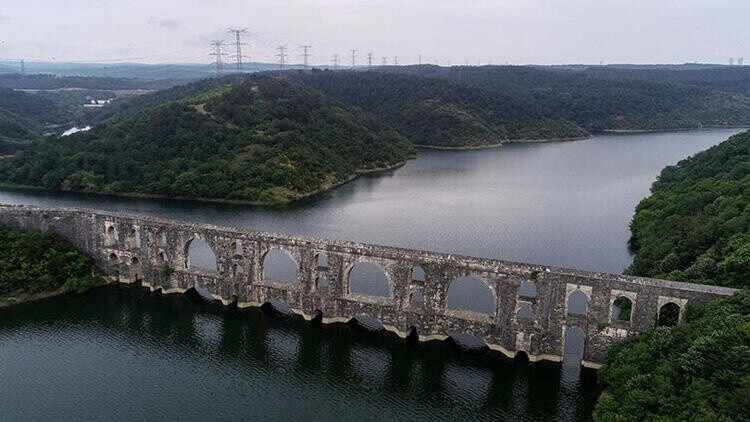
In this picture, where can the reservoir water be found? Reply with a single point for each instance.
(119, 353)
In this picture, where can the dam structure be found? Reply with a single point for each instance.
(532, 306)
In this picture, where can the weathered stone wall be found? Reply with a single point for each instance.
(133, 249)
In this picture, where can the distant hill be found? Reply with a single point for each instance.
(54, 82)
(599, 103)
(258, 139)
(434, 112)
(722, 78)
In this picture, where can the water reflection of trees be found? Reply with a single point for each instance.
(432, 377)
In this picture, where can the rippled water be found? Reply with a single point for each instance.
(121, 353)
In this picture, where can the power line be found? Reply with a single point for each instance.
(281, 56)
(238, 45)
(218, 54)
(305, 54)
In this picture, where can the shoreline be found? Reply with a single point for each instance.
(501, 143)
(306, 195)
(681, 129)
(20, 300)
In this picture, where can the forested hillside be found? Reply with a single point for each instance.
(721, 78)
(598, 104)
(33, 262)
(258, 139)
(434, 112)
(695, 226)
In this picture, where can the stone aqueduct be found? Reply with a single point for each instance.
(155, 252)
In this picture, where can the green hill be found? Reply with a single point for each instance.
(257, 139)
(601, 103)
(433, 112)
(695, 226)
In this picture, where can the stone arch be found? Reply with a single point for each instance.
(113, 260)
(622, 309)
(574, 344)
(525, 312)
(161, 239)
(577, 303)
(669, 315)
(110, 236)
(279, 266)
(200, 255)
(162, 257)
(417, 273)
(321, 260)
(527, 289)
(135, 269)
(471, 293)
(368, 279)
(132, 238)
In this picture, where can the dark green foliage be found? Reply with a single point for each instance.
(696, 371)
(597, 103)
(695, 226)
(33, 262)
(720, 78)
(259, 138)
(434, 112)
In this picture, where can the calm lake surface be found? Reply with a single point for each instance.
(120, 353)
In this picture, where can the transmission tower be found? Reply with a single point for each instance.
(281, 56)
(305, 54)
(335, 61)
(420, 60)
(218, 55)
(385, 61)
(369, 60)
(238, 45)
(23, 67)
(354, 57)
(395, 60)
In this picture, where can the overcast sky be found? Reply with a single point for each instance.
(455, 31)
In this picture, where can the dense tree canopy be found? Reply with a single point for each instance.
(696, 371)
(437, 112)
(602, 103)
(695, 226)
(33, 262)
(260, 138)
